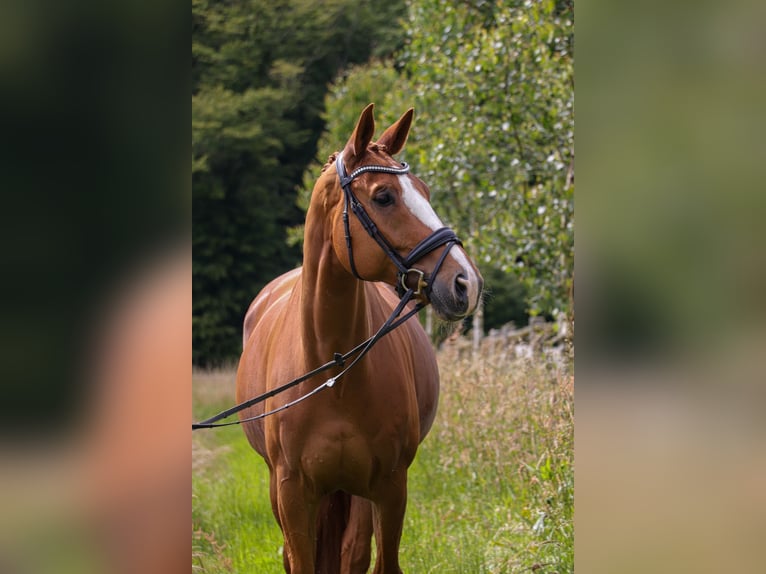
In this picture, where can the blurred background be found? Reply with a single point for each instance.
(95, 359)
(670, 284)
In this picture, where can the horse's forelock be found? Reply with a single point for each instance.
(374, 147)
(378, 147)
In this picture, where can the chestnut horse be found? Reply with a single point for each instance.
(338, 461)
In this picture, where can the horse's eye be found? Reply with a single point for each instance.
(384, 198)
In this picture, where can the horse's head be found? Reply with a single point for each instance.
(385, 229)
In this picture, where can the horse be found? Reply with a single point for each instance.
(338, 461)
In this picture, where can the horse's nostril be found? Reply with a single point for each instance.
(461, 286)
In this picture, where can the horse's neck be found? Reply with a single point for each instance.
(333, 304)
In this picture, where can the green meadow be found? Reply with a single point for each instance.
(491, 490)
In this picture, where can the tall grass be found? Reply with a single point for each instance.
(491, 490)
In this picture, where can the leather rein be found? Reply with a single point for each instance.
(443, 236)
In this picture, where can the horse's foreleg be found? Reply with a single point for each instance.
(297, 509)
(275, 509)
(357, 538)
(389, 510)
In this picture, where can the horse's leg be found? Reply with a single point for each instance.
(297, 509)
(389, 520)
(275, 510)
(357, 538)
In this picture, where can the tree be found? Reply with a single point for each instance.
(492, 84)
(260, 70)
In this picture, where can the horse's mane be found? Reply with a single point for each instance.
(372, 147)
(330, 161)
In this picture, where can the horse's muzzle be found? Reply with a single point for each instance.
(456, 295)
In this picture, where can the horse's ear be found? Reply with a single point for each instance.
(362, 136)
(395, 136)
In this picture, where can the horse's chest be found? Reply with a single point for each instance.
(351, 457)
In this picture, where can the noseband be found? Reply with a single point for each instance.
(442, 236)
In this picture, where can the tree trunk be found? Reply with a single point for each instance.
(478, 326)
(430, 323)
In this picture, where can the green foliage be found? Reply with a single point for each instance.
(260, 70)
(492, 84)
(504, 299)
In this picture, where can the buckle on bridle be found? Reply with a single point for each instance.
(422, 284)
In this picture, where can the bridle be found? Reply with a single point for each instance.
(442, 236)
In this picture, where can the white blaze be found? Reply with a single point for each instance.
(418, 204)
(420, 208)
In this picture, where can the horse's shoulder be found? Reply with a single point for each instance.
(275, 292)
(382, 302)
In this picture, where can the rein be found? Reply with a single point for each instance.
(443, 236)
(338, 361)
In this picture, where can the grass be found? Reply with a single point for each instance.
(491, 490)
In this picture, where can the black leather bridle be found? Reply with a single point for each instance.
(442, 236)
